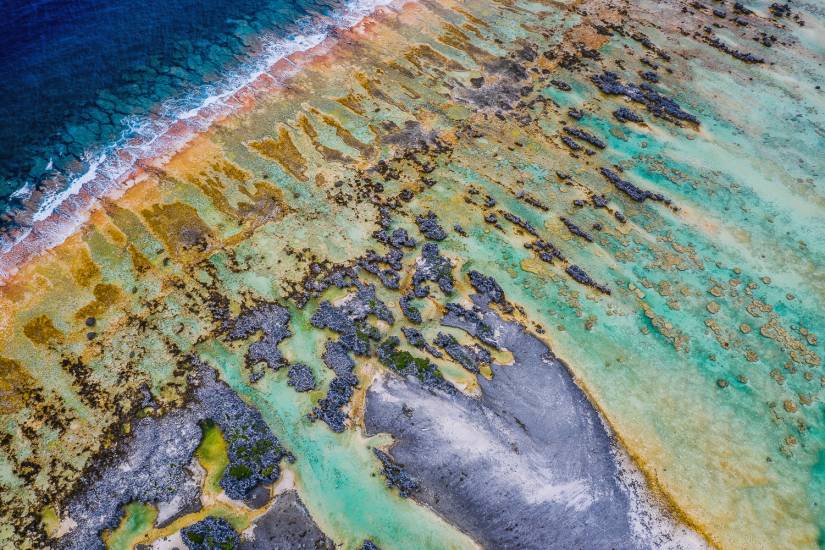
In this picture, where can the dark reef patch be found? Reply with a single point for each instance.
(469, 357)
(210, 533)
(301, 377)
(272, 320)
(406, 364)
(430, 228)
(432, 266)
(396, 475)
(658, 104)
(631, 190)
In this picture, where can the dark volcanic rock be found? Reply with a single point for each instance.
(372, 262)
(254, 452)
(368, 545)
(410, 311)
(287, 526)
(585, 136)
(576, 230)
(747, 57)
(524, 224)
(487, 286)
(470, 322)
(527, 465)
(571, 144)
(349, 319)
(270, 319)
(432, 266)
(405, 364)
(430, 228)
(779, 10)
(656, 103)
(650, 76)
(469, 357)
(301, 377)
(339, 393)
(581, 276)
(396, 475)
(400, 237)
(623, 114)
(210, 533)
(329, 409)
(631, 190)
(416, 340)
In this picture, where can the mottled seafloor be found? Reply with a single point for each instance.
(599, 329)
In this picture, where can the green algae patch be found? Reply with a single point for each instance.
(212, 455)
(138, 519)
(50, 520)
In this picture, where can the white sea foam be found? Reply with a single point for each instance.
(108, 169)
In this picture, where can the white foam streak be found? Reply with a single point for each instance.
(56, 200)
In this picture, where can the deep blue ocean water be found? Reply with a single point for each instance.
(74, 74)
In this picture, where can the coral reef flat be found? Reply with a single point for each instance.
(490, 274)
